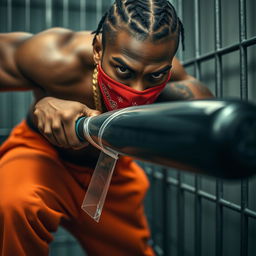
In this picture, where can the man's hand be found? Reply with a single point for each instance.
(55, 119)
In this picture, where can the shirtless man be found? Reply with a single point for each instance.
(44, 168)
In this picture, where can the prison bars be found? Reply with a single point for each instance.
(199, 194)
(217, 54)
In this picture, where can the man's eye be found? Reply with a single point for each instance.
(122, 70)
(157, 76)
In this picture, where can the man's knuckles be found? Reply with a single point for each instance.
(56, 128)
(47, 133)
(36, 112)
(67, 116)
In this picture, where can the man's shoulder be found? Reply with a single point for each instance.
(64, 35)
(56, 54)
(63, 40)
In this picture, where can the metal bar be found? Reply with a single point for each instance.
(219, 219)
(157, 175)
(244, 73)
(221, 51)
(165, 213)
(98, 10)
(27, 15)
(244, 96)
(206, 195)
(218, 59)
(218, 89)
(48, 13)
(180, 216)
(174, 182)
(197, 37)
(82, 14)
(243, 51)
(244, 218)
(65, 13)
(40, 4)
(198, 217)
(198, 208)
(180, 13)
(9, 15)
(230, 205)
(250, 213)
(158, 250)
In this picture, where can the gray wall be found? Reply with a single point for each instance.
(188, 214)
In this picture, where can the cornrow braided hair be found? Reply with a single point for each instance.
(155, 19)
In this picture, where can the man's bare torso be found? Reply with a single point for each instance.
(56, 63)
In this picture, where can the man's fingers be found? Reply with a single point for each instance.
(72, 138)
(59, 133)
(48, 133)
(40, 124)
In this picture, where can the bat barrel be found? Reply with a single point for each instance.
(213, 137)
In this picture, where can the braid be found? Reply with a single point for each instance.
(166, 21)
(155, 19)
(165, 15)
(120, 10)
(162, 20)
(99, 28)
(173, 14)
(139, 12)
(139, 16)
(182, 34)
(135, 27)
(112, 17)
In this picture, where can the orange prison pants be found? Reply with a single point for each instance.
(39, 191)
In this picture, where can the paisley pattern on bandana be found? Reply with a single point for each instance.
(117, 95)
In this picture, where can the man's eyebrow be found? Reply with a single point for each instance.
(121, 62)
(162, 70)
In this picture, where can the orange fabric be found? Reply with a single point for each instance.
(39, 191)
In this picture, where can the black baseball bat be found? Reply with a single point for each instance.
(212, 137)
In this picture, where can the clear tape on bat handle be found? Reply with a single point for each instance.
(96, 193)
(97, 190)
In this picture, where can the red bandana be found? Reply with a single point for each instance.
(117, 95)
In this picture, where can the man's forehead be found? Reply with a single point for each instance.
(135, 48)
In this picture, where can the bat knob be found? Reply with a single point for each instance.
(79, 127)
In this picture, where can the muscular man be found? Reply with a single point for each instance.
(44, 168)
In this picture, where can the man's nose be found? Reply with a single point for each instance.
(138, 85)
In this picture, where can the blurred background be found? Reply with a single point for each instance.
(188, 214)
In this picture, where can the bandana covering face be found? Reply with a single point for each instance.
(117, 95)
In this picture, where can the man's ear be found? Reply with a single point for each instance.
(97, 49)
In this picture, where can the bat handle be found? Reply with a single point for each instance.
(79, 127)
